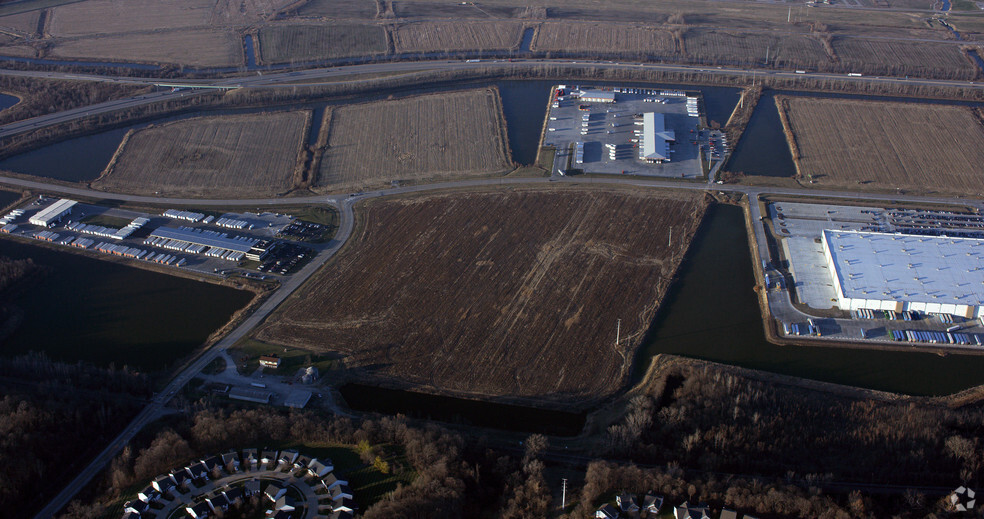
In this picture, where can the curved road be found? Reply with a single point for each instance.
(156, 407)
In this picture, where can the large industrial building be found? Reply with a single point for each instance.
(53, 213)
(906, 272)
(656, 139)
(198, 241)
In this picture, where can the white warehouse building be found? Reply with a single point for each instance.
(656, 139)
(52, 213)
(903, 272)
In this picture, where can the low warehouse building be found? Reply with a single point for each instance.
(906, 272)
(53, 213)
(656, 139)
(250, 395)
(597, 96)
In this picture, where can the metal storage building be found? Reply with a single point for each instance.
(903, 272)
(185, 237)
(656, 138)
(597, 96)
(52, 213)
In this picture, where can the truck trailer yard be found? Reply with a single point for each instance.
(625, 130)
(877, 275)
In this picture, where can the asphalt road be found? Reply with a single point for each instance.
(156, 407)
(315, 76)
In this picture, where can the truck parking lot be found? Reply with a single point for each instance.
(610, 134)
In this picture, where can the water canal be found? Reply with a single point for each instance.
(97, 311)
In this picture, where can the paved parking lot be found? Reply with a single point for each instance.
(614, 124)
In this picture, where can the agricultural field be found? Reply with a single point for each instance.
(237, 155)
(23, 24)
(923, 59)
(512, 295)
(100, 17)
(728, 48)
(285, 43)
(338, 9)
(457, 36)
(459, 10)
(882, 145)
(192, 47)
(604, 38)
(425, 137)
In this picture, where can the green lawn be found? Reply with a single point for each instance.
(291, 359)
(106, 221)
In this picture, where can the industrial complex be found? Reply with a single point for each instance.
(623, 130)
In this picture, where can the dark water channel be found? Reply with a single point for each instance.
(6, 101)
(97, 311)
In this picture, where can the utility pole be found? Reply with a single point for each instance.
(669, 241)
(767, 49)
(618, 331)
(789, 15)
(563, 495)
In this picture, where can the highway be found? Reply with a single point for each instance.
(316, 76)
(156, 407)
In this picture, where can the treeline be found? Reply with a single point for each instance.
(40, 97)
(38, 369)
(12, 271)
(46, 437)
(716, 419)
(451, 479)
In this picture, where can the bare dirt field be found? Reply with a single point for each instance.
(604, 38)
(100, 17)
(21, 24)
(509, 295)
(731, 48)
(882, 145)
(339, 9)
(194, 47)
(455, 36)
(921, 59)
(423, 137)
(285, 43)
(236, 155)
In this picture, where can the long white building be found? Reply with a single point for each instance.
(52, 213)
(656, 138)
(901, 272)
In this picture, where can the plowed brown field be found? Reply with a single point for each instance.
(507, 295)
(239, 155)
(882, 145)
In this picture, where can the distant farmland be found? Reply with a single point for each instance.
(430, 136)
(604, 38)
(916, 58)
(855, 144)
(710, 46)
(235, 156)
(286, 43)
(457, 36)
(194, 47)
(496, 294)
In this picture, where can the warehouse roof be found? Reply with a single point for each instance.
(598, 94)
(907, 267)
(654, 136)
(207, 238)
(53, 211)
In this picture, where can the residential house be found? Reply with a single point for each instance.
(197, 471)
(269, 361)
(213, 463)
(280, 514)
(163, 483)
(149, 494)
(344, 505)
(302, 462)
(268, 457)
(251, 488)
(652, 503)
(251, 458)
(688, 511)
(627, 503)
(274, 491)
(218, 502)
(137, 507)
(287, 458)
(234, 495)
(340, 514)
(319, 468)
(284, 503)
(331, 480)
(728, 514)
(230, 461)
(340, 492)
(199, 511)
(179, 477)
(131, 515)
(607, 512)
